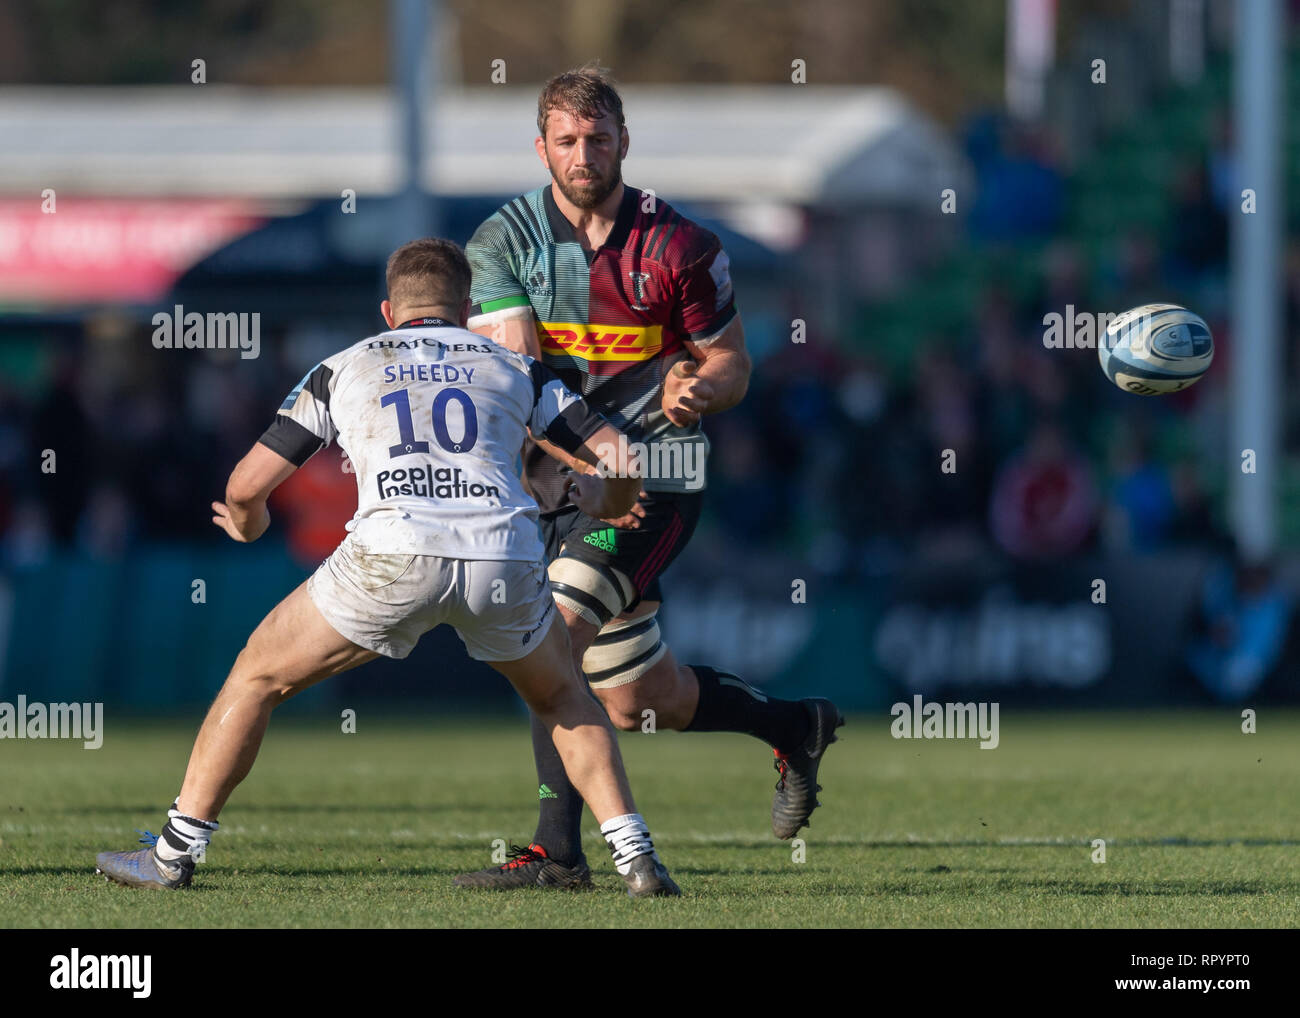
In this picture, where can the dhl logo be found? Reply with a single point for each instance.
(601, 342)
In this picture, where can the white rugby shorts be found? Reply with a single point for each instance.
(385, 602)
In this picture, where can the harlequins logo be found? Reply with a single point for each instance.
(638, 290)
(602, 539)
(536, 284)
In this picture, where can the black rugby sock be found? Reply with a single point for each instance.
(728, 704)
(559, 820)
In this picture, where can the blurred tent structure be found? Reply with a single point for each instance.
(701, 144)
(866, 164)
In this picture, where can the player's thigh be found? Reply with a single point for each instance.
(625, 661)
(609, 578)
(637, 672)
(294, 647)
(382, 601)
(504, 610)
(545, 677)
(602, 571)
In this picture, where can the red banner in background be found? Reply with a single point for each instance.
(108, 250)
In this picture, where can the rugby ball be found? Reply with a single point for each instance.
(1156, 348)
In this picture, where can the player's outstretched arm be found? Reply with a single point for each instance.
(243, 515)
(627, 519)
(610, 492)
(715, 381)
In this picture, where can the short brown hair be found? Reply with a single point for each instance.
(429, 272)
(587, 92)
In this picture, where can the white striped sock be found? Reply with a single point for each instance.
(184, 836)
(627, 837)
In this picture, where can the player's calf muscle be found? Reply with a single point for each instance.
(256, 685)
(668, 689)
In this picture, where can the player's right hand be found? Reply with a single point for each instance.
(586, 491)
(632, 520)
(686, 395)
(252, 530)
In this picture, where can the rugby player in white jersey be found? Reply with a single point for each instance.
(432, 417)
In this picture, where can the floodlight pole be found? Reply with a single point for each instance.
(1256, 277)
(410, 48)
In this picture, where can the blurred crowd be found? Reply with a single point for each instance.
(107, 443)
(991, 440)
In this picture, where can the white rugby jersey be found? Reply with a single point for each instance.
(432, 417)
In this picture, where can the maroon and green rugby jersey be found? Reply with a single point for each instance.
(610, 322)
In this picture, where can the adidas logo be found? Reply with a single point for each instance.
(603, 539)
(545, 793)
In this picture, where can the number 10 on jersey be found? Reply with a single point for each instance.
(408, 443)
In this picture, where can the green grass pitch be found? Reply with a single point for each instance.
(1201, 823)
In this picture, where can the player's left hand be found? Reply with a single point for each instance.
(686, 394)
(253, 528)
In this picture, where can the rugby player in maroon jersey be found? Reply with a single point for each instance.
(631, 304)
